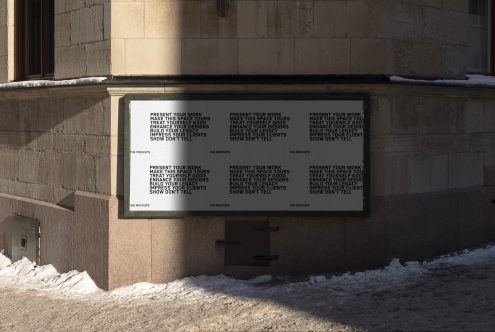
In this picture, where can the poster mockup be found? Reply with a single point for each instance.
(245, 153)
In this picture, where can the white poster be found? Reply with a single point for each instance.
(245, 156)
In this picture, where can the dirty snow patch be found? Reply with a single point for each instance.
(25, 275)
(471, 80)
(51, 83)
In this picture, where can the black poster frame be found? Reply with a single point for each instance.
(246, 96)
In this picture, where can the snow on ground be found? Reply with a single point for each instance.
(27, 276)
(50, 83)
(455, 292)
(471, 80)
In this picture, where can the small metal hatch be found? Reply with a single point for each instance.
(247, 242)
(25, 238)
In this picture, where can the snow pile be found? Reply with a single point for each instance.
(25, 275)
(4, 261)
(50, 83)
(471, 80)
(394, 273)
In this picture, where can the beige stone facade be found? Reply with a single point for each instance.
(187, 37)
(432, 147)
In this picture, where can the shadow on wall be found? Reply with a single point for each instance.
(51, 146)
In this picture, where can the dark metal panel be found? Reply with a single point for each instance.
(247, 242)
(25, 238)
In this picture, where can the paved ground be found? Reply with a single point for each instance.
(441, 297)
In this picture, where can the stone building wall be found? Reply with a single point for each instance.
(174, 37)
(431, 158)
(82, 38)
(54, 142)
(423, 38)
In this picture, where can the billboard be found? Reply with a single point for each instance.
(231, 154)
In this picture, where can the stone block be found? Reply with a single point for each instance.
(461, 6)
(419, 59)
(454, 58)
(358, 18)
(68, 143)
(28, 165)
(214, 26)
(85, 115)
(86, 25)
(9, 116)
(91, 236)
(107, 19)
(322, 56)
(79, 172)
(475, 214)
(284, 19)
(4, 71)
(489, 115)
(185, 247)
(129, 249)
(9, 164)
(365, 247)
(429, 173)
(122, 14)
(37, 191)
(421, 226)
(172, 19)
(246, 12)
(396, 144)
(432, 3)
(444, 143)
(98, 61)
(481, 142)
(438, 26)
(368, 56)
(473, 116)
(465, 170)
(330, 19)
(380, 115)
(71, 62)
(442, 115)
(405, 115)
(62, 6)
(63, 33)
(390, 174)
(97, 145)
(46, 168)
(153, 56)
(266, 56)
(50, 116)
(14, 140)
(103, 175)
(209, 56)
(40, 142)
(3, 44)
(118, 57)
(489, 175)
